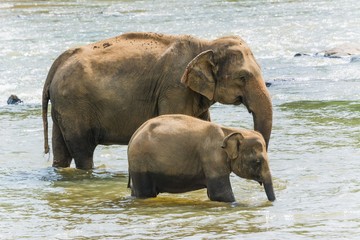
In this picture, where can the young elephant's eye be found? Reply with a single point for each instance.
(257, 164)
(255, 168)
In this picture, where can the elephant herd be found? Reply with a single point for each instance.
(153, 92)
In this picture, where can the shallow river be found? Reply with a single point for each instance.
(314, 150)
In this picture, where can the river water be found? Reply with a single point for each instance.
(314, 150)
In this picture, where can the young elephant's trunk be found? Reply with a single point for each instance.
(269, 190)
(268, 183)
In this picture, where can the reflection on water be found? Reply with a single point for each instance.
(81, 200)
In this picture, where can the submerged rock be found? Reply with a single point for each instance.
(344, 50)
(341, 51)
(355, 59)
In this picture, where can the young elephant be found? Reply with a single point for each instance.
(178, 153)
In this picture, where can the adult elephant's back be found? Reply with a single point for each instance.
(111, 85)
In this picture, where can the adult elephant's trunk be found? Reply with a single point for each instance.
(258, 102)
(263, 122)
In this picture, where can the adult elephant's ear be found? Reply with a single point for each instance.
(198, 75)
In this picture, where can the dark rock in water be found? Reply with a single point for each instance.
(13, 99)
(278, 81)
(301, 54)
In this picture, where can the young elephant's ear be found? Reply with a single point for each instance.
(198, 75)
(231, 144)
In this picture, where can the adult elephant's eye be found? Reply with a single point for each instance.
(240, 80)
(243, 76)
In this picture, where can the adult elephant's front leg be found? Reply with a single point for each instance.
(205, 116)
(181, 100)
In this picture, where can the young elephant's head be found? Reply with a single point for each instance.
(249, 159)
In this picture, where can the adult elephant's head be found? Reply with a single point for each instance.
(228, 73)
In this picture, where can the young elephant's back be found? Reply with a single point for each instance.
(169, 142)
(173, 126)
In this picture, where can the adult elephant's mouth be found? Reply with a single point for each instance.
(243, 101)
(238, 101)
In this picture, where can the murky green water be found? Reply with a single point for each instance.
(314, 150)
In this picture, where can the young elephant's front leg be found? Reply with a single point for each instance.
(219, 189)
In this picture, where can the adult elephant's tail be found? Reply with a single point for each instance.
(46, 93)
(45, 102)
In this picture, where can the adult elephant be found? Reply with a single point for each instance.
(102, 92)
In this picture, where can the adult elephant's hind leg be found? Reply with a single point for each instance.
(84, 157)
(82, 149)
(81, 142)
(62, 156)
